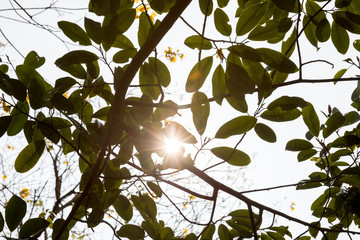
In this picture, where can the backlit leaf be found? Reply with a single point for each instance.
(198, 42)
(198, 74)
(340, 38)
(175, 130)
(218, 84)
(279, 115)
(265, 132)
(33, 226)
(221, 20)
(34, 60)
(323, 30)
(238, 125)
(74, 32)
(93, 29)
(19, 117)
(148, 82)
(277, 60)
(123, 56)
(287, 103)
(306, 154)
(310, 29)
(29, 156)
(200, 110)
(311, 119)
(314, 10)
(245, 52)
(250, 17)
(14, 212)
(77, 56)
(206, 6)
(131, 231)
(258, 74)
(333, 123)
(298, 145)
(160, 71)
(287, 5)
(340, 73)
(234, 157)
(155, 188)
(222, 3)
(348, 20)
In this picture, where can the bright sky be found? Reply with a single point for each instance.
(271, 164)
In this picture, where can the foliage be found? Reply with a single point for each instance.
(118, 138)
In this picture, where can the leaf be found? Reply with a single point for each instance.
(160, 71)
(346, 141)
(29, 156)
(340, 73)
(245, 52)
(233, 156)
(333, 123)
(177, 131)
(238, 125)
(121, 22)
(198, 42)
(265, 132)
(258, 74)
(200, 109)
(348, 20)
(268, 32)
(123, 56)
(161, 6)
(311, 119)
(340, 38)
(314, 10)
(238, 81)
(19, 117)
(102, 113)
(148, 82)
(63, 84)
(218, 84)
(74, 32)
(310, 29)
(2, 222)
(4, 124)
(34, 60)
(288, 103)
(77, 56)
(279, 115)
(306, 154)
(298, 145)
(288, 46)
(342, 3)
(351, 117)
(206, 6)
(57, 227)
(131, 231)
(144, 29)
(155, 188)
(121, 41)
(287, 5)
(277, 60)
(76, 70)
(163, 113)
(33, 226)
(36, 92)
(14, 88)
(250, 17)
(62, 103)
(222, 3)
(14, 212)
(93, 29)
(224, 233)
(221, 20)
(198, 74)
(323, 30)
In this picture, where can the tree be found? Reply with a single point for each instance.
(115, 140)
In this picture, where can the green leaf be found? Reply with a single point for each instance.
(238, 125)
(288, 103)
(63, 84)
(305, 184)
(298, 145)
(19, 117)
(33, 226)
(160, 71)
(198, 42)
(2, 222)
(218, 84)
(198, 74)
(144, 29)
(163, 113)
(239, 105)
(74, 32)
(62, 103)
(351, 117)
(288, 46)
(306, 154)
(121, 22)
(272, 30)
(221, 20)
(340, 38)
(33, 60)
(131, 231)
(340, 73)
(29, 156)
(206, 6)
(102, 113)
(123, 56)
(222, 3)
(356, 44)
(233, 156)
(93, 29)
(310, 29)
(161, 6)
(245, 52)
(224, 233)
(250, 17)
(148, 82)
(342, 3)
(14, 212)
(238, 81)
(279, 115)
(348, 20)
(323, 30)
(76, 70)
(77, 56)
(155, 188)
(200, 109)
(311, 119)
(14, 88)
(277, 60)
(314, 10)
(334, 122)
(287, 5)
(265, 132)
(36, 92)
(177, 131)
(121, 41)
(346, 141)
(258, 74)
(208, 232)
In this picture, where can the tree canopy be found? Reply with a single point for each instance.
(126, 145)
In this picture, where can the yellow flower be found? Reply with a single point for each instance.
(65, 162)
(27, 99)
(192, 197)
(292, 206)
(172, 56)
(10, 147)
(4, 177)
(141, 9)
(24, 193)
(6, 107)
(185, 233)
(66, 94)
(219, 54)
(184, 205)
(152, 16)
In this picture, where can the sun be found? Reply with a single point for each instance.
(172, 145)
